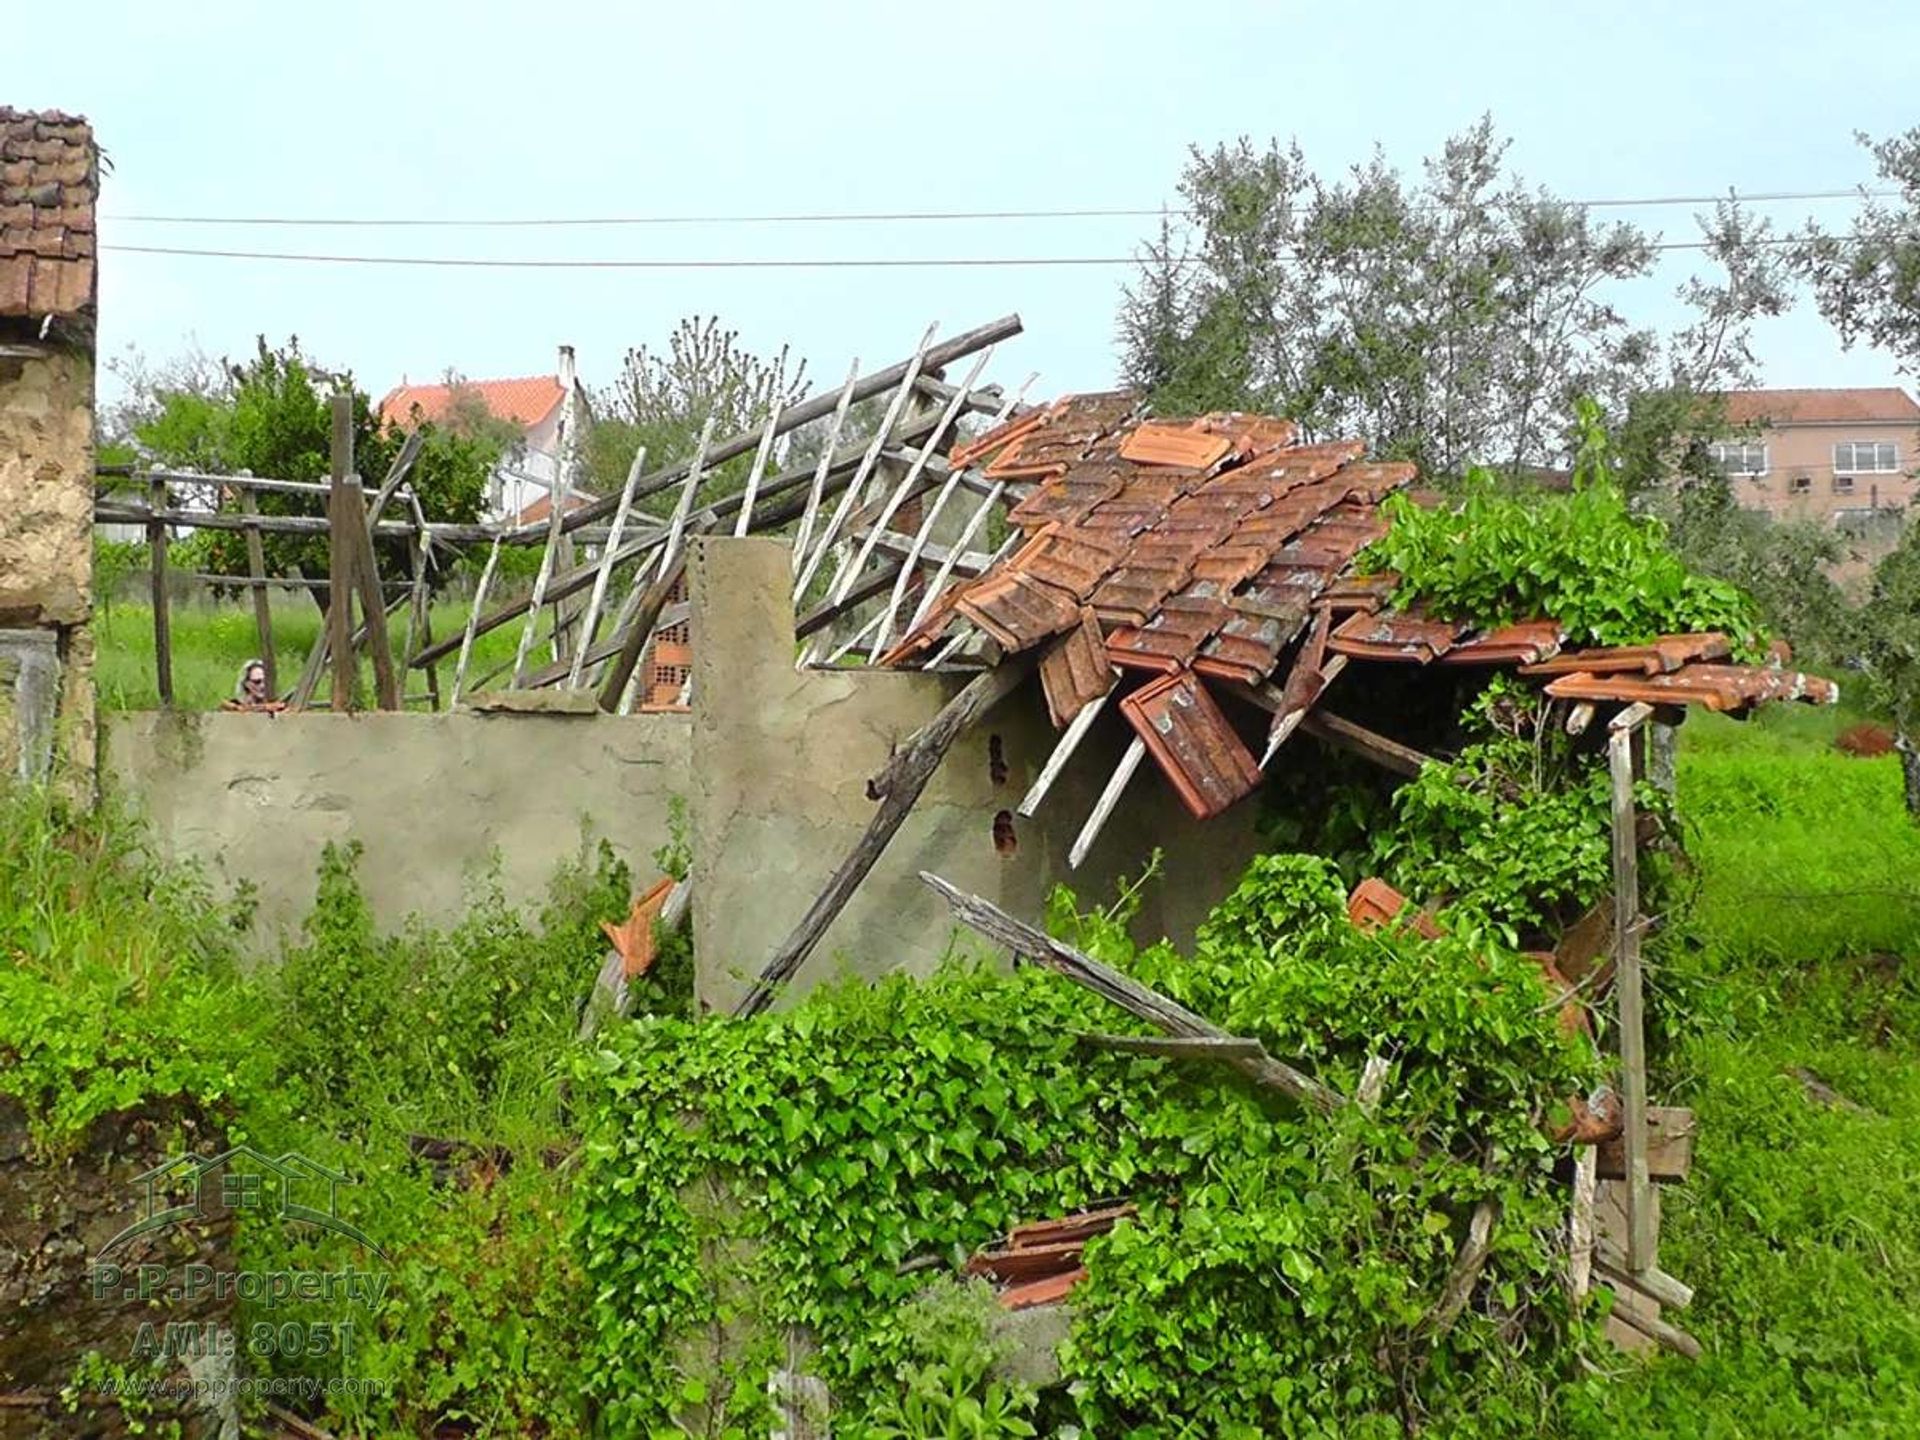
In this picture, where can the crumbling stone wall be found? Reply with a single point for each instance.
(46, 524)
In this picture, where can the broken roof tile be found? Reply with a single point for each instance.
(1017, 610)
(1073, 561)
(1717, 687)
(1525, 644)
(1075, 670)
(1171, 638)
(1382, 636)
(1191, 741)
(1005, 433)
(1666, 654)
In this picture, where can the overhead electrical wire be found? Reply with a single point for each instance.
(867, 217)
(876, 262)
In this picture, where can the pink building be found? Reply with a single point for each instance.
(1842, 457)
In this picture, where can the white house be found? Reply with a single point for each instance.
(551, 412)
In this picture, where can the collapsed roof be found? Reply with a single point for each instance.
(1219, 553)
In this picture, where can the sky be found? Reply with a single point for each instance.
(520, 111)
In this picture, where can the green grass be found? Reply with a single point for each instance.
(1798, 1227)
(212, 640)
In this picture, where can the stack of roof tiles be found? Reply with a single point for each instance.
(1203, 550)
(49, 178)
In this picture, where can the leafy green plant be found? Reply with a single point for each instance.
(1515, 829)
(1581, 557)
(949, 1389)
(1280, 1270)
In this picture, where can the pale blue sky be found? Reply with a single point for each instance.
(512, 110)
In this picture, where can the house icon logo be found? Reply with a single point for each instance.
(289, 1186)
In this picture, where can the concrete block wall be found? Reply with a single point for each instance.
(772, 766)
(780, 761)
(433, 799)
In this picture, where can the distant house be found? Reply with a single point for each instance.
(550, 411)
(1843, 457)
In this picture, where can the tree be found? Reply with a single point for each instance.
(272, 416)
(1450, 321)
(1866, 282)
(663, 400)
(1890, 645)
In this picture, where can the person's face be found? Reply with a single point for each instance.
(256, 682)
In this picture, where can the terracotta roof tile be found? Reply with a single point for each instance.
(1157, 443)
(1884, 405)
(1394, 637)
(1017, 610)
(1668, 653)
(1718, 687)
(1075, 670)
(49, 180)
(1191, 741)
(524, 402)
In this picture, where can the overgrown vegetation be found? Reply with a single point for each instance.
(1282, 1272)
(1581, 557)
(1283, 1269)
(270, 415)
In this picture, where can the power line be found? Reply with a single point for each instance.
(878, 262)
(868, 217)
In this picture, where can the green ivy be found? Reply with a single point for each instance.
(1581, 557)
(1516, 829)
(794, 1175)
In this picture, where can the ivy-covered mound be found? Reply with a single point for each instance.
(1581, 557)
(749, 1182)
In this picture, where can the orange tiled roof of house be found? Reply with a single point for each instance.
(525, 402)
(49, 179)
(1883, 404)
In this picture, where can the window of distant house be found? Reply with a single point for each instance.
(1802, 484)
(1866, 457)
(1738, 458)
(1843, 484)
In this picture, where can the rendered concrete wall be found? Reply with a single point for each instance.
(46, 526)
(772, 763)
(430, 797)
(780, 760)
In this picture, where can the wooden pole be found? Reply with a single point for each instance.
(607, 551)
(613, 685)
(420, 619)
(262, 611)
(906, 776)
(340, 556)
(473, 617)
(162, 630)
(1141, 1001)
(1627, 985)
(760, 457)
(366, 578)
(805, 533)
(538, 598)
(1057, 761)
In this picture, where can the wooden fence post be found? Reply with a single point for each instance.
(1627, 986)
(340, 557)
(257, 571)
(162, 631)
